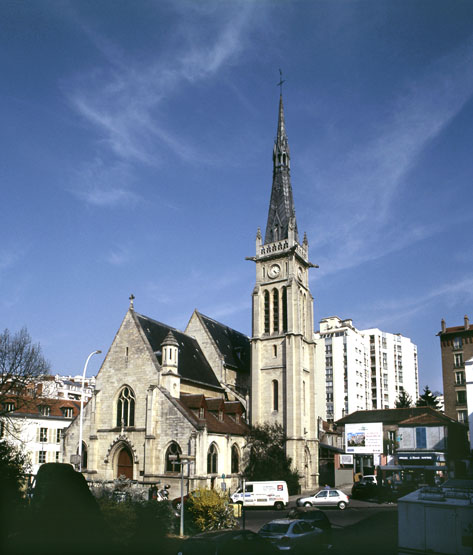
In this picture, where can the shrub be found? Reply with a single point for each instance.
(210, 510)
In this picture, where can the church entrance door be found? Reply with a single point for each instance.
(125, 464)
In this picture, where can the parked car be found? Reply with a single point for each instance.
(369, 479)
(325, 498)
(294, 535)
(227, 542)
(317, 518)
(365, 490)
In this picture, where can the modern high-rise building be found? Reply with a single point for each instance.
(456, 344)
(393, 368)
(364, 369)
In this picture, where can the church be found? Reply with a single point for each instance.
(161, 392)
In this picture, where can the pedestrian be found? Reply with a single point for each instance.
(327, 486)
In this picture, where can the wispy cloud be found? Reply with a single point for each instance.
(364, 190)
(104, 185)
(119, 255)
(450, 294)
(125, 100)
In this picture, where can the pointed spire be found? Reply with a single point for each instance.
(281, 206)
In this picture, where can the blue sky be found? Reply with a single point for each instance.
(136, 144)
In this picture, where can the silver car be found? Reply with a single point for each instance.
(294, 535)
(325, 498)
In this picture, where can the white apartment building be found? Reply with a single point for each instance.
(393, 366)
(37, 425)
(65, 387)
(364, 369)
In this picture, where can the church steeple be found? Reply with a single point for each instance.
(282, 214)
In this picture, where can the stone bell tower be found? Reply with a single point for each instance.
(283, 349)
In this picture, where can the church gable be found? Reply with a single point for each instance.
(192, 364)
(226, 349)
(130, 364)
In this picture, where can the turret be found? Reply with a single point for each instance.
(170, 378)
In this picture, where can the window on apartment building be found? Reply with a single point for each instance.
(43, 435)
(67, 412)
(41, 457)
(328, 349)
(328, 361)
(421, 438)
(59, 435)
(458, 360)
(45, 410)
(457, 343)
(8, 406)
(462, 416)
(58, 456)
(459, 378)
(461, 397)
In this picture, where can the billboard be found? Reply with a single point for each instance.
(364, 438)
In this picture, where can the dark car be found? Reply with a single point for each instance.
(365, 490)
(316, 517)
(227, 542)
(294, 535)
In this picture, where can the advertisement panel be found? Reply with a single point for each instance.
(364, 438)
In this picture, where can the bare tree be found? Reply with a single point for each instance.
(21, 364)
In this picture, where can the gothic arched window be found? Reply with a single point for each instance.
(171, 465)
(275, 311)
(235, 459)
(84, 456)
(126, 408)
(212, 460)
(266, 312)
(284, 309)
(275, 395)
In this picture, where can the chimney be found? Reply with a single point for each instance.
(444, 326)
(467, 322)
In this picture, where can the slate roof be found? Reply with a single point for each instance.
(30, 406)
(192, 364)
(394, 416)
(229, 425)
(233, 345)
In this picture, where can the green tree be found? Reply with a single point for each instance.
(404, 400)
(21, 364)
(428, 399)
(266, 456)
(14, 465)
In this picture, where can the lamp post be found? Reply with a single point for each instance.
(182, 460)
(82, 407)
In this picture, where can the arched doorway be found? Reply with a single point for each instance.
(125, 464)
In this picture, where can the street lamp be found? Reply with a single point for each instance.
(82, 407)
(182, 460)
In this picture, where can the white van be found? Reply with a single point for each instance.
(263, 494)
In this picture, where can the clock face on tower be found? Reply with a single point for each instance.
(274, 271)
